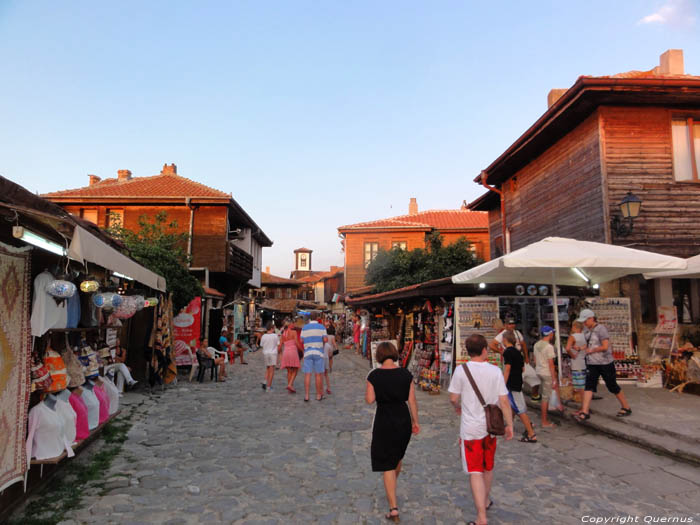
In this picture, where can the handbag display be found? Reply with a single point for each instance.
(41, 379)
(57, 369)
(494, 416)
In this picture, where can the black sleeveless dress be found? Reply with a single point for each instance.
(391, 431)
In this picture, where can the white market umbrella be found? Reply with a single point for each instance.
(560, 261)
(691, 272)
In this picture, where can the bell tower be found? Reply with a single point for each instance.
(302, 262)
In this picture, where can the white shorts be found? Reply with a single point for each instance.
(517, 402)
(270, 359)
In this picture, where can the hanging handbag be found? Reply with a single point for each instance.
(494, 417)
(41, 378)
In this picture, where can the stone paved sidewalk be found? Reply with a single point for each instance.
(232, 453)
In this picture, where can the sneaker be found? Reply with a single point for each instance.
(264, 386)
(133, 383)
(269, 389)
(538, 397)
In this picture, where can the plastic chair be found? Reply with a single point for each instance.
(204, 363)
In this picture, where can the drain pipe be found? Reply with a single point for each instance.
(483, 178)
(188, 201)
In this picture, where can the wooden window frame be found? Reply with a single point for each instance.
(109, 213)
(372, 253)
(97, 214)
(690, 120)
(396, 244)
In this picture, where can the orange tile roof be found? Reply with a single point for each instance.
(163, 185)
(438, 219)
(268, 278)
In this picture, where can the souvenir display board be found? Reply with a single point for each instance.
(664, 343)
(446, 344)
(615, 313)
(407, 349)
(474, 315)
(425, 365)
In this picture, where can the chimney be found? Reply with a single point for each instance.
(413, 206)
(169, 169)
(267, 269)
(94, 179)
(123, 175)
(554, 95)
(671, 62)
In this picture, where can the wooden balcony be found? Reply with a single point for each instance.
(240, 263)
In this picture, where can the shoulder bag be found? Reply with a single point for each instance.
(494, 417)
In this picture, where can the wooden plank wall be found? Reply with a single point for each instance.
(559, 193)
(638, 157)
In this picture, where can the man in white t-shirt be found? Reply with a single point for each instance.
(477, 447)
(270, 343)
(529, 375)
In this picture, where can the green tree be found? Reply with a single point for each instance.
(159, 247)
(395, 268)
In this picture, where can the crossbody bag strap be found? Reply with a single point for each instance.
(476, 388)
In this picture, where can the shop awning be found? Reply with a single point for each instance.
(86, 247)
(692, 272)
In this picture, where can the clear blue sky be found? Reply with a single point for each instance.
(313, 114)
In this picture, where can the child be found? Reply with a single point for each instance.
(327, 354)
(576, 348)
(544, 359)
(513, 375)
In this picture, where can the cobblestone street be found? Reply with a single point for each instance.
(233, 453)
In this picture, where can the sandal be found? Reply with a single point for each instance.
(527, 439)
(624, 412)
(393, 517)
(489, 505)
(583, 416)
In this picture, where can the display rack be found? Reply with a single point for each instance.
(615, 313)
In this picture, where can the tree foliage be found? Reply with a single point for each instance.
(158, 246)
(395, 268)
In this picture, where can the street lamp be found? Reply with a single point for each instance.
(629, 209)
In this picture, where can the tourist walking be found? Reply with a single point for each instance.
(477, 446)
(529, 375)
(544, 357)
(313, 337)
(356, 334)
(576, 348)
(270, 343)
(513, 374)
(291, 348)
(599, 362)
(327, 356)
(391, 387)
(330, 330)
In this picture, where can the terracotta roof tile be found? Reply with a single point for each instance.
(439, 219)
(268, 278)
(164, 185)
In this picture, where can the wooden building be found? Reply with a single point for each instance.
(225, 243)
(363, 241)
(606, 136)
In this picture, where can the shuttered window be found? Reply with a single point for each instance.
(686, 149)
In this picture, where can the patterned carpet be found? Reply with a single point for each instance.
(14, 362)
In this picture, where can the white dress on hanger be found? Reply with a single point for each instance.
(112, 394)
(47, 435)
(93, 407)
(46, 314)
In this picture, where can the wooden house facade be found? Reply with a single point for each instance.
(566, 175)
(362, 241)
(225, 243)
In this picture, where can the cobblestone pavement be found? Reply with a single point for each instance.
(233, 453)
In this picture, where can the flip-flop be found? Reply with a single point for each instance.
(489, 505)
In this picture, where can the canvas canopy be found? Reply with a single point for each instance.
(86, 247)
(691, 272)
(560, 261)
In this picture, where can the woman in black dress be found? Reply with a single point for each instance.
(391, 387)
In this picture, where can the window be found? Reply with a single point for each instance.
(115, 218)
(302, 261)
(289, 293)
(89, 214)
(371, 249)
(685, 134)
(401, 245)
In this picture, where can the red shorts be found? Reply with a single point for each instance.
(478, 454)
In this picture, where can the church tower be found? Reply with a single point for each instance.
(302, 263)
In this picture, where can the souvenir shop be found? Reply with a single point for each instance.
(76, 313)
(429, 322)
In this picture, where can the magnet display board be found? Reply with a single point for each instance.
(473, 315)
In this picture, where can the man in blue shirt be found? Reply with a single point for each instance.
(313, 336)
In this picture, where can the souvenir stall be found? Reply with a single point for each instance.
(63, 317)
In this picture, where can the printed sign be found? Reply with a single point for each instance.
(474, 315)
(186, 330)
